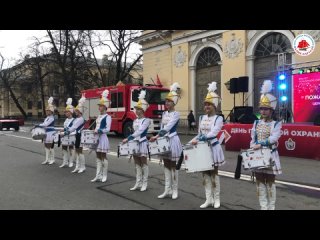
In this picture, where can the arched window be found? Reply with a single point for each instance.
(272, 44)
(208, 57)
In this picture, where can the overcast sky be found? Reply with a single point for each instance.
(12, 42)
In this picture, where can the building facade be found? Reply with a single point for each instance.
(194, 58)
(26, 87)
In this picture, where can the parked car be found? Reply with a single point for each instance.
(9, 123)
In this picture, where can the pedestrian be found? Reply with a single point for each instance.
(266, 133)
(169, 123)
(191, 121)
(48, 125)
(103, 125)
(140, 126)
(210, 125)
(76, 128)
(68, 146)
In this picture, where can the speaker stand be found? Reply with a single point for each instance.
(232, 110)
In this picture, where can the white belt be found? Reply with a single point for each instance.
(142, 139)
(172, 134)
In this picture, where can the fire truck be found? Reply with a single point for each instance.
(123, 98)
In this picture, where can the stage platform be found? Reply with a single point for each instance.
(300, 140)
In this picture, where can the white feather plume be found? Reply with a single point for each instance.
(50, 100)
(142, 94)
(266, 87)
(69, 101)
(82, 100)
(105, 93)
(174, 87)
(212, 87)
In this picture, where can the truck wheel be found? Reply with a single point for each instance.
(0, 126)
(17, 128)
(127, 129)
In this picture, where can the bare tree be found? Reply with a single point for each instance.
(39, 64)
(119, 44)
(116, 66)
(8, 77)
(65, 45)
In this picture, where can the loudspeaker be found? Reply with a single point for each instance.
(317, 120)
(234, 85)
(242, 84)
(247, 118)
(242, 112)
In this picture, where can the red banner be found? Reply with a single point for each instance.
(296, 140)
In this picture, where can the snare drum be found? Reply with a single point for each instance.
(56, 137)
(257, 159)
(88, 137)
(160, 146)
(68, 140)
(38, 133)
(198, 158)
(129, 148)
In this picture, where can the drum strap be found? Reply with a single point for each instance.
(50, 129)
(215, 143)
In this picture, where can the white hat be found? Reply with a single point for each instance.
(69, 106)
(267, 100)
(104, 99)
(212, 97)
(50, 106)
(80, 106)
(173, 95)
(142, 103)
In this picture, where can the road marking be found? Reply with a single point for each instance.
(243, 176)
(222, 173)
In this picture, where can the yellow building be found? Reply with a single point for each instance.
(194, 58)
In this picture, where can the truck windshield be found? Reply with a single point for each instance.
(156, 96)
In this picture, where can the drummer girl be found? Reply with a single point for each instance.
(209, 127)
(140, 126)
(266, 133)
(68, 150)
(169, 123)
(103, 125)
(48, 124)
(76, 127)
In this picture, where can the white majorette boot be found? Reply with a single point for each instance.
(174, 175)
(51, 156)
(77, 164)
(272, 196)
(138, 183)
(47, 156)
(145, 174)
(82, 163)
(72, 156)
(262, 194)
(104, 170)
(167, 183)
(208, 191)
(98, 171)
(216, 191)
(65, 158)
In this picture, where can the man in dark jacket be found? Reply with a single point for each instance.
(191, 121)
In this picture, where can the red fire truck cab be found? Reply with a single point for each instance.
(123, 99)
